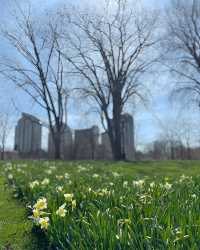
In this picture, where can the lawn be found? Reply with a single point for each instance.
(15, 229)
(103, 205)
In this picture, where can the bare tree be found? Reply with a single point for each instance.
(178, 134)
(39, 70)
(111, 51)
(4, 131)
(183, 47)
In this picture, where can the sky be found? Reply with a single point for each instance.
(149, 119)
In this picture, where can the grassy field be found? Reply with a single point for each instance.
(107, 205)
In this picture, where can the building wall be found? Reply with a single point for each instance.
(86, 143)
(127, 126)
(106, 147)
(28, 134)
(66, 144)
(127, 139)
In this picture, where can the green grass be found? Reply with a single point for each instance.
(14, 227)
(160, 211)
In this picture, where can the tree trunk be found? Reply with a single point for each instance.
(57, 154)
(57, 145)
(114, 128)
(2, 155)
(117, 146)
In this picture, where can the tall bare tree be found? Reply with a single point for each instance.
(39, 70)
(4, 131)
(183, 47)
(111, 51)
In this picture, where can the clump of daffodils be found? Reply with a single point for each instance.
(69, 198)
(8, 166)
(184, 178)
(167, 186)
(37, 212)
(103, 192)
(145, 199)
(19, 170)
(81, 168)
(179, 235)
(139, 183)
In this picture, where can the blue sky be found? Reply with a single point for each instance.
(147, 120)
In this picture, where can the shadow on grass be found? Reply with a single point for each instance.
(38, 241)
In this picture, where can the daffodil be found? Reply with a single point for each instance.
(103, 192)
(124, 221)
(19, 170)
(73, 204)
(44, 222)
(115, 174)
(167, 186)
(59, 177)
(34, 184)
(67, 176)
(95, 176)
(41, 204)
(194, 196)
(45, 181)
(36, 213)
(10, 176)
(152, 184)
(138, 183)
(81, 168)
(125, 184)
(68, 197)
(61, 211)
(48, 171)
(59, 189)
(52, 167)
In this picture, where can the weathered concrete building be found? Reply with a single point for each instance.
(66, 144)
(86, 143)
(128, 143)
(106, 147)
(127, 139)
(28, 134)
